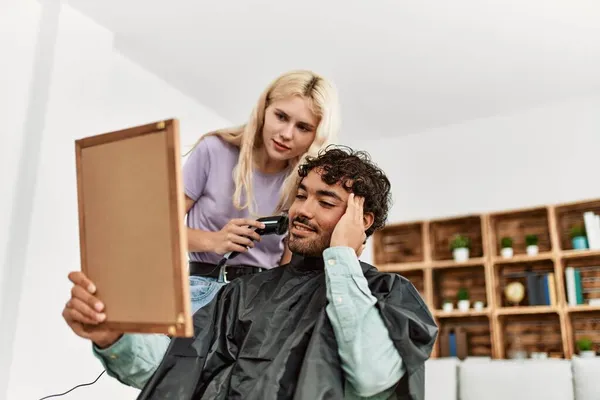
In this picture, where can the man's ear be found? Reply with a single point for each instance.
(368, 219)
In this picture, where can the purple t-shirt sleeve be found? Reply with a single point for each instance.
(196, 169)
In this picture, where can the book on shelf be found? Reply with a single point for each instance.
(592, 227)
(582, 283)
(541, 289)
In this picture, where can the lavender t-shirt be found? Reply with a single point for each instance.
(208, 179)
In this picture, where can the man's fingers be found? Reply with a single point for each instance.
(79, 278)
(78, 317)
(84, 309)
(84, 296)
(358, 208)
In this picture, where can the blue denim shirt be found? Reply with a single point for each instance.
(371, 363)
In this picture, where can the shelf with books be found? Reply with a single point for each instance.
(462, 338)
(521, 335)
(520, 232)
(578, 225)
(525, 284)
(524, 294)
(582, 281)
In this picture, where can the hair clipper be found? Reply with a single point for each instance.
(274, 225)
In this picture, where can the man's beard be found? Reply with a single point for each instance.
(309, 247)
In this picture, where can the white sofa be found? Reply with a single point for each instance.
(485, 379)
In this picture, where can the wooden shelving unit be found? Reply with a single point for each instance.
(420, 251)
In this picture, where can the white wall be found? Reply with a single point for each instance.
(93, 89)
(21, 19)
(549, 154)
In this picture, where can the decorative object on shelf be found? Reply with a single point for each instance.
(539, 355)
(517, 350)
(532, 245)
(460, 246)
(447, 305)
(506, 247)
(478, 306)
(463, 299)
(514, 292)
(585, 347)
(578, 237)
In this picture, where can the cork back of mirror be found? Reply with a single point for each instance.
(132, 233)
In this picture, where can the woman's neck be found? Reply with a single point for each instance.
(267, 165)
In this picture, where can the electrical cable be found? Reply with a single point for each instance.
(78, 386)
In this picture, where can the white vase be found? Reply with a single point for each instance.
(463, 305)
(532, 250)
(478, 306)
(461, 254)
(448, 307)
(507, 252)
(587, 354)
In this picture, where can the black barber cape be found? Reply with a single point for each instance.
(267, 336)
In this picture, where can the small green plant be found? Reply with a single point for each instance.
(531, 240)
(577, 230)
(447, 301)
(585, 344)
(459, 241)
(506, 242)
(463, 294)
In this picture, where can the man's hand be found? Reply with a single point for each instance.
(350, 229)
(83, 312)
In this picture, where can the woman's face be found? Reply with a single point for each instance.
(289, 128)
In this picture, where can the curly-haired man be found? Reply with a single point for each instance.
(324, 326)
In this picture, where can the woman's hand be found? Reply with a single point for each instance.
(84, 312)
(236, 236)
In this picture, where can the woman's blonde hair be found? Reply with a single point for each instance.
(323, 102)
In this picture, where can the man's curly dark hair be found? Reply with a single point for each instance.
(355, 171)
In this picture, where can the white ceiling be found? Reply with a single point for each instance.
(401, 66)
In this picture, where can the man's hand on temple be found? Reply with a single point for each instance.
(83, 312)
(350, 230)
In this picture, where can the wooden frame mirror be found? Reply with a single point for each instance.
(132, 231)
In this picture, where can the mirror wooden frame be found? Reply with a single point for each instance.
(133, 239)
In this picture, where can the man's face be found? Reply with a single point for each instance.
(314, 214)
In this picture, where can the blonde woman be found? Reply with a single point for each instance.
(232, 176)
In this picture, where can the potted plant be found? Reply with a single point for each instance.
(463, 299)
(506, 247)
(532, 244)
(460, 246)
(585, 347)
(447, 305)
(578, 237)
